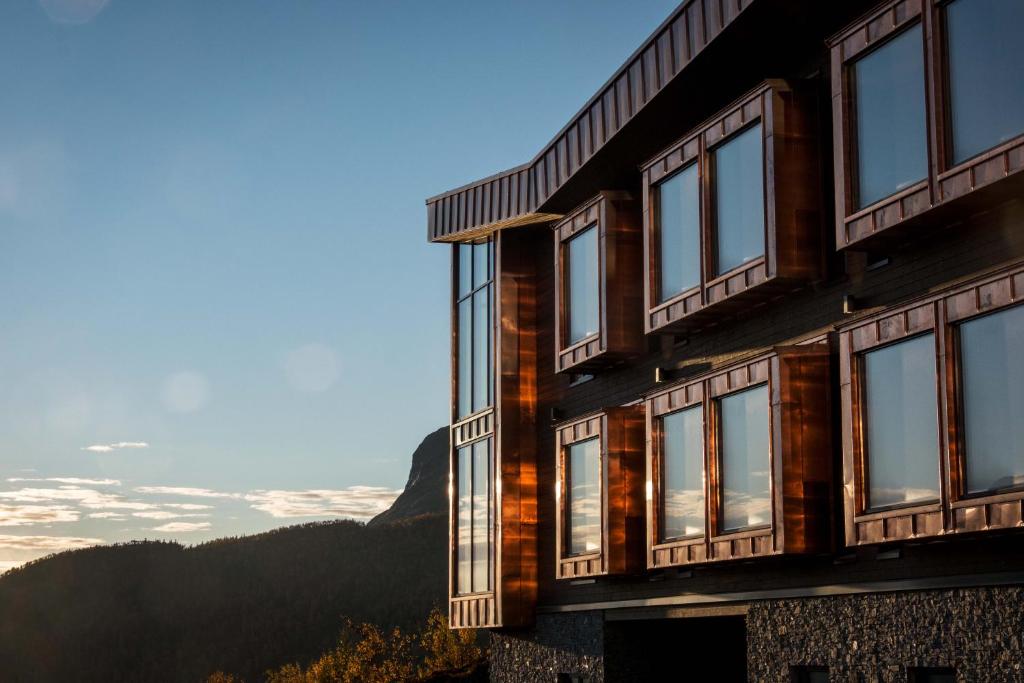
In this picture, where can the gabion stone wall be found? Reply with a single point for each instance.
(876, 637)
(571, 643)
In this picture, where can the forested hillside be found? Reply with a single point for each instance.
(153, 611)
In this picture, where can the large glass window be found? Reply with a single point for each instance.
(475, 517)
(678, 225)
(739, 200)
(583, 282)
(901, 423)
(583, 504)
(992, 381)
(474, 302)
(744, 445)
(986, 63)
(892, 152)
(682, 448)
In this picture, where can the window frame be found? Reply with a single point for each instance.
(457, 300)
(615, 216)
(619, 432)
(956, 511)
(797, 379)
(891, 217)
(792, 239)
(491, 516)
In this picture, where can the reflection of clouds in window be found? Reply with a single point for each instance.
(584, 504)
(683, 473)
(744, 436)
(474, 536)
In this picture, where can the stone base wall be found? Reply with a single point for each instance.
(876, 637)
(571, 643)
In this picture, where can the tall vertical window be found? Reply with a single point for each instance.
(583, 489)
(890, 121)
(901, 423)
(739, 200)
(682, 464)
(475, 518)
(985, 62)
(678, 224)
(474, 302)
(992, 386)
(583, 283)
(745, 459)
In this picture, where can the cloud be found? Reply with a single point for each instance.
(109, 447)
(76, 481)
(181, 527)
(165, 514)
(29, 515)
(86, 498)
(6, 565)
(355, 502)
(46, 544)
(113, 516)
(187, 506)
(186, 491)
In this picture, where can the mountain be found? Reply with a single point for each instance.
(156, 611)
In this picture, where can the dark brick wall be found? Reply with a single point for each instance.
(876, 637)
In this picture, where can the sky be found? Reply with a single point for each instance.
(218, 310)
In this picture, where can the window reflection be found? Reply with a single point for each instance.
(890, 118)
(584, 497)
(678, 224)
(739, 200)
(986, 61)
(474, 302)
(583, 281)
(474, 542)
(683, 473)
(992, 379)
(745, 463)
(464, 533)
(901, 423)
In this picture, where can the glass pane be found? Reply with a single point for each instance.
(678, 223)
(465, 257)
(584, 497)
(482, 349)
(465, 361)
(986, 63)
(583, 285)
(463, 554)
(744, 437)
(481, 263)
(992, 370)
(481, 516)
(683, 473)
(901, 424)
(892, 152)
(739, 200)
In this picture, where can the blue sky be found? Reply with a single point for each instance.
(218, 311)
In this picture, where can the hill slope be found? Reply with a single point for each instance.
(153, 611)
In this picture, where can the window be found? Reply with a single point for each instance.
(678, 228)
(992, 390)
(475, 516)
(729, 210)
(682, 462)
(474, 301)
(985, 59)
(745, 464)
(739, 200)
(809, 674)
(584, 498)
(889, 98)
(583, 282)
(716, 441)
(900, 423)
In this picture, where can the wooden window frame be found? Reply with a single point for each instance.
(890, 218)
(940, 314)
(797, 379)
(620, 435)
(619, 335)
(792, 227)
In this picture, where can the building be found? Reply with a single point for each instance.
(738, 358)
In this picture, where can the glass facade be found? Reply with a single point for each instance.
(745, 464)
(678, 225)
(475, 343)
(900, 423)
(986, 61)
(583, 493)
(474, 543)
(582, 280)
(739, 200)
(891, 146)
(992, 390)
(682, 463)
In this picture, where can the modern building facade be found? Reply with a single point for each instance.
(738, 358)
